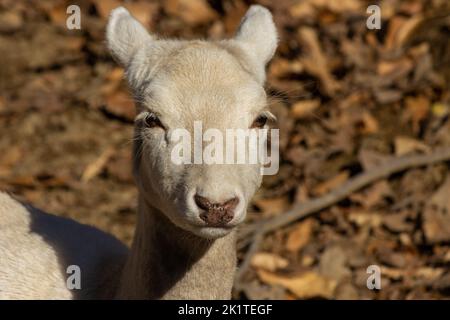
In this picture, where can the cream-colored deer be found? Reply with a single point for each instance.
(184, 244)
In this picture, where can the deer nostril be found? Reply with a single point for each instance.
(216, 214)
(231, 204)
(202, 202)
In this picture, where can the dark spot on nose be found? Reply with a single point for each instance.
(216, 214)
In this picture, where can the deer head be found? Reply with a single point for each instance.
(176, 83)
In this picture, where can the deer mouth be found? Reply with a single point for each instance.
(210, 232)
(213, 229)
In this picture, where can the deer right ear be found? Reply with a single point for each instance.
(125, 35)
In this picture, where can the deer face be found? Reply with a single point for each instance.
(195, 87)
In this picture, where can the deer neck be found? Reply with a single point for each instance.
(167, 262)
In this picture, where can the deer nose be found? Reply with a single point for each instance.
(216, 214)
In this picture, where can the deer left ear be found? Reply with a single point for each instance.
(258, 36)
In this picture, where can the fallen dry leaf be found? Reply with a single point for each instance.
(333, 263)
(368, 124)
(104, 7)
(234, 11)
(142, 11)
(192, 12)
(272, 206)
(405, 145)
(307, 261)
(308, 8)
(397, 223)
(268, 261)
(373, 195)
(256, 291)
(401, 30)
(300, 235)
(301, 194)
(386, 96)
(370, 158)
(447, 256)
(338, 6)
(392, 258)
(395, 68)
(423, 272)
(58, 14)
(304, 109)
(417, 109)
(346, 291)
(332, 183)
(436, 216)
(112, 81)
(361, 218)
(282, 67)
(305, 286)
(22, 181)
(121, 105)
(302, 9)
(11, 156)
(406, 31)
(316, 62)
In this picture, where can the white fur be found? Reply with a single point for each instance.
(125, 35)
(258, 36)
(36, 248)
(174, 255)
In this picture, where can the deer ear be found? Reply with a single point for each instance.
(257, 34)
(125, 35)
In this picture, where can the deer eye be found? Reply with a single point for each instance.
(259, 122)
(152, 121)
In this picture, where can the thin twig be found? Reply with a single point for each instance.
(257, 240)
(313, 206)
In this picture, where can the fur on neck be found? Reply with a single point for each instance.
(167, 262)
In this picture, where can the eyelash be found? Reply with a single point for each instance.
(259, 122)
(262, 119)
(152, 121)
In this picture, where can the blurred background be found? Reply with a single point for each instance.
(347, 99)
